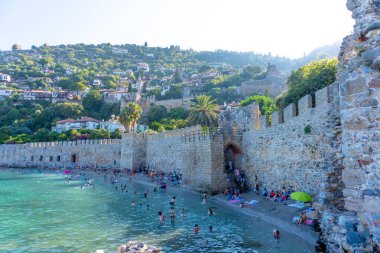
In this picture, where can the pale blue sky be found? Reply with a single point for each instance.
(284, 27)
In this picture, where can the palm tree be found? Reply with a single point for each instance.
(203, 111)
(129, 116)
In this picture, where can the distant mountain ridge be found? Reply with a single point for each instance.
(284, 64)
(326, 51)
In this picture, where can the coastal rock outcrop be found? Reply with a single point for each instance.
(356, 228)
(137, 247)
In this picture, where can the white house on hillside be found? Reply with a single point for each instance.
(111, 125)
(5, 77)
(71, 124)
(165, 89)
(96, 82)
(114, 96)
(91, 124)
(144, 66)
(6, 93)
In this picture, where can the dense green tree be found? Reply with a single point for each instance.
(110, 81)
(78, 86)
(175, 92)
(156, 126)
(100, 134)
(267, 104)
(156, 113)
(205, 68)
(177, 113)
(117, 134)
(307, 80)
(203, 111)
(18, 139)
(56, 112)
(129, 116)
(16, 47)
(93, 101)
(47, 61)
(177, 78)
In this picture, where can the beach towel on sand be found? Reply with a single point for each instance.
(308, 222)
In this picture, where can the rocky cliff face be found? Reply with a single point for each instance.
(357, 228)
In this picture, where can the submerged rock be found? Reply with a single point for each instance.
(137, 247)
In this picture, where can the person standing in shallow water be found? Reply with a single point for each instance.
(162, 217)
(204, 197)
(196, 229)
(172, 201)
(276, 233)
(172, 214)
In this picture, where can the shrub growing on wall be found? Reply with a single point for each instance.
(307, 129)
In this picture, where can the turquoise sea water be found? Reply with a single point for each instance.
(47, 214)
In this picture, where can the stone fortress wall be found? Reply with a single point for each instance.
(62, 154)
(295, 150)
(196, 155)
(274, 83)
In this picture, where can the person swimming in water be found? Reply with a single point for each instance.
(172, 201)
(210, 212)
(172, 214)
(183, 212)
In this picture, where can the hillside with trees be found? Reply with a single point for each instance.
(30, 102)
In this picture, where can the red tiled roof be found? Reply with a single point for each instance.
(87, 119)
(65, 121)
(83, 119)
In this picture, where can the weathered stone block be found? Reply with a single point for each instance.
(289, 112)
(354, 193)
(351, 87)
(321, 97)
(371, 204)
(277, 118)
(353, 178)
(355, 238)
(353, 204)
(264, 122)
(371, 192)
(374, 83)
(304, 105)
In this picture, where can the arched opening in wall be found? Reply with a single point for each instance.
(74, 158)
(233, 166)
(231, 152)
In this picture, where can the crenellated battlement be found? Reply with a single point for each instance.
(60, 144)
(187, 134)
(323, 99)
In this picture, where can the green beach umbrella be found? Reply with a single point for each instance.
(301, 196)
